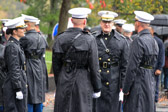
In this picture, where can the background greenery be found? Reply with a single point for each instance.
(48, 59)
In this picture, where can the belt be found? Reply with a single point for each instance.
(108, 64)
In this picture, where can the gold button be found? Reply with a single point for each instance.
(108, 59)
(99, 58)
(26, 85)
(107, 71)
(105, 38)
(107, 83)
(99, 70)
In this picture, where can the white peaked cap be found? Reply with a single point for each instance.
(5, 20)
(143, 16)
(23, 15)
(79, 13)
(128, 27)
(100, 13)
(15, 23)
(120, 21)
(107, 15)
(29, 18)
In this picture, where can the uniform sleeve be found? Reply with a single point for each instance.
(94, 66)
(13, 66)
(123, 62)
(56, 60)
(136, 54)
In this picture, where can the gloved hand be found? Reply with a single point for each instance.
(121, 95)
(19, 95)
(96, 95)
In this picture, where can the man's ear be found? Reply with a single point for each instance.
(14, 31)
(85, 21)
(138, 23)
(71, 20)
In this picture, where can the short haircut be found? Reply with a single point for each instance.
(77, 21)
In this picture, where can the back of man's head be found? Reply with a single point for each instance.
(79, 16)
(78, 22)
(30, 25)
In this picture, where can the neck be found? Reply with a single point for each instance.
(30, 28)
(38, 30)
(16, 37)
(79, 26)
(140, 29)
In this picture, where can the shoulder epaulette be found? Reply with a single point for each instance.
(60, 33)
(94, 32)
(85, 32)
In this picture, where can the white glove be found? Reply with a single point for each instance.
(96, 95)
(121, 96)
(19, 95)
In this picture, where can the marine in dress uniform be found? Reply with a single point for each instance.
(75, 65)
(15, 85)
(3, 41)
(2, 74)
(45, 45)
(32, 44)
(139, 84)
(112, 50)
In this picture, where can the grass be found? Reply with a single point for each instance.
(48, 58)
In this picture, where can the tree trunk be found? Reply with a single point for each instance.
(63, 18)
(54, 9)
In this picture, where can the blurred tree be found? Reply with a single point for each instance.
(48, 11)
(11, 9)
(63, 18)
(125, 8)
(53, 15)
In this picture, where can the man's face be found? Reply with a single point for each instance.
(20, 32)
(106, 26)
(118, 28)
